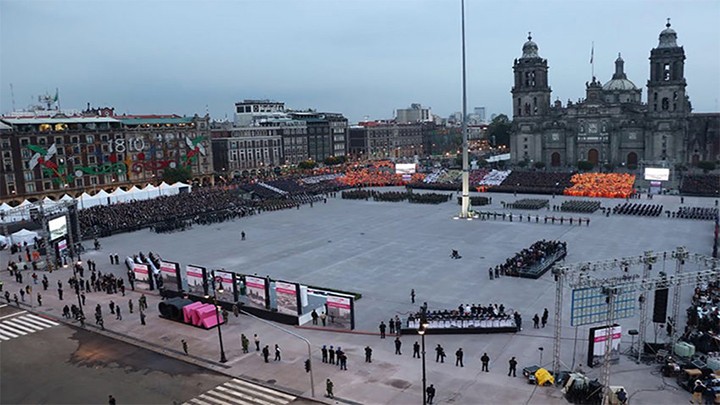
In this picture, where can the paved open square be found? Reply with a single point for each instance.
(383, 250)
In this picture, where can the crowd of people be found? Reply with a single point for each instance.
(643, 210)
(579, 206)
(608, 185)
(703, 213)
(541, 254)
(464, 316)
(527, 204)
(706, 185)
(527, 182)
(428, 198)
(356, 194)
(477, 201)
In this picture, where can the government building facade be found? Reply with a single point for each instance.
(612, 125)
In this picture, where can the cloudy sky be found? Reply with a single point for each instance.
(361, 58)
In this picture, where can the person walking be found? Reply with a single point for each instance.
(119, 316)
(485, 359)
(342, 360)
(513, 367)
(416, 350)
(368, 354)
(398, 345)
(536, 321)
(430, 393)
(39, 299)
(324, 352)
(60, 293)
(184, 345)
(329, 389)
(257, 342)
(545, 317)
(245, 342)
(439, 354)
(391, 324)
(112, 307)
(266, 353)
(331, 352)
(459, 357)
(142, 318)
(130, 305)
(382, 329)
(323, 317)
(277, 352)
(82, 298)
(22, 295)
(111, 400)
(412, 296)
(242, 235)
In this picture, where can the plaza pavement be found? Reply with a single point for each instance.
(382, 250)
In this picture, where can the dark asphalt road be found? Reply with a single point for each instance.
(64, 365)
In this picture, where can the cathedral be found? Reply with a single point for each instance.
(612, 126)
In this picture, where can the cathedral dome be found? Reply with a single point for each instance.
(530, 49)
(619, 80)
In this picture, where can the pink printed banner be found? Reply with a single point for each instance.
(286, 297)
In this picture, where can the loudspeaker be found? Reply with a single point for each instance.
(73, 225)
(660, 306)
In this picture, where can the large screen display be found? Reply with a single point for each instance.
(405, 168)
(57, 227)
(657, 173)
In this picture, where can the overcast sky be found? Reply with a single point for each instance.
(360, 58)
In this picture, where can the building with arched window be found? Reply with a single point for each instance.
(612, 125)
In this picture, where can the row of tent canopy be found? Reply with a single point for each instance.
(22, 211)
(20, 237)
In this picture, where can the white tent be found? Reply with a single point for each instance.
(179, 185)
(151, 191)
(117, 196)
(67, 198)
(5, 207)
(49, 202)
(137, 194)
(87, 201)
(25, 203)
(24, 235)
(3, 240)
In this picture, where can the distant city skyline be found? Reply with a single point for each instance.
(359, 58)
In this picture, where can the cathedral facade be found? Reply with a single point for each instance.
(612, 125)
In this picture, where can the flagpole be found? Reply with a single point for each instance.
(592, 60)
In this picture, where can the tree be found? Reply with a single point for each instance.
(498, 131)
(706, 165)
(584, 165)
(307, 164)
(173, 175)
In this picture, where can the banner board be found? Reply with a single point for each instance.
(169, 275)
(597, 339)
(340, 311)
(286, 297)
(196, 281)
(142, 275)
(256, 291)
(657, 173)
(227, 279)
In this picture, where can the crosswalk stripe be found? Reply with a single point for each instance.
(265, 397)
(215, 401)
(4, 338)
(41, 319)
(37, 323)
(13, 329)
(197, 401)
(236, 398)
(239, 392)
(261, 388)
(27, 326)
(6, 333)
(249, 396)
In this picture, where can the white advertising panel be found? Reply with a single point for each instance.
(228, 286)
(657, 173)
(142, 275)
(405, 168)
(339, 311)
(168, 272)
(57, 227)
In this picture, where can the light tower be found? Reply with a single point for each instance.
(464, 213)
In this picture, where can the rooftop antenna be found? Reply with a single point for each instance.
(592, 60)
(12, 96)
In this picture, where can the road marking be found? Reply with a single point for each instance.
(6, 333)
(239, 392)
(11, 315)
(43, 319)
(20, 326)
(11, 328)
(39, 321)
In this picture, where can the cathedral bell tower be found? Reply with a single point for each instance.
(531, 93)
(666, 87)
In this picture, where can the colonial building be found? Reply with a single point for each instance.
(612, 125)
(380, 140)
(51, 154)
(246, 150)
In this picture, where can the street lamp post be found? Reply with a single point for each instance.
(220, 289)
(421, 331)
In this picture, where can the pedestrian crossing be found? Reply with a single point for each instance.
(19, 326)
(239, 392)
